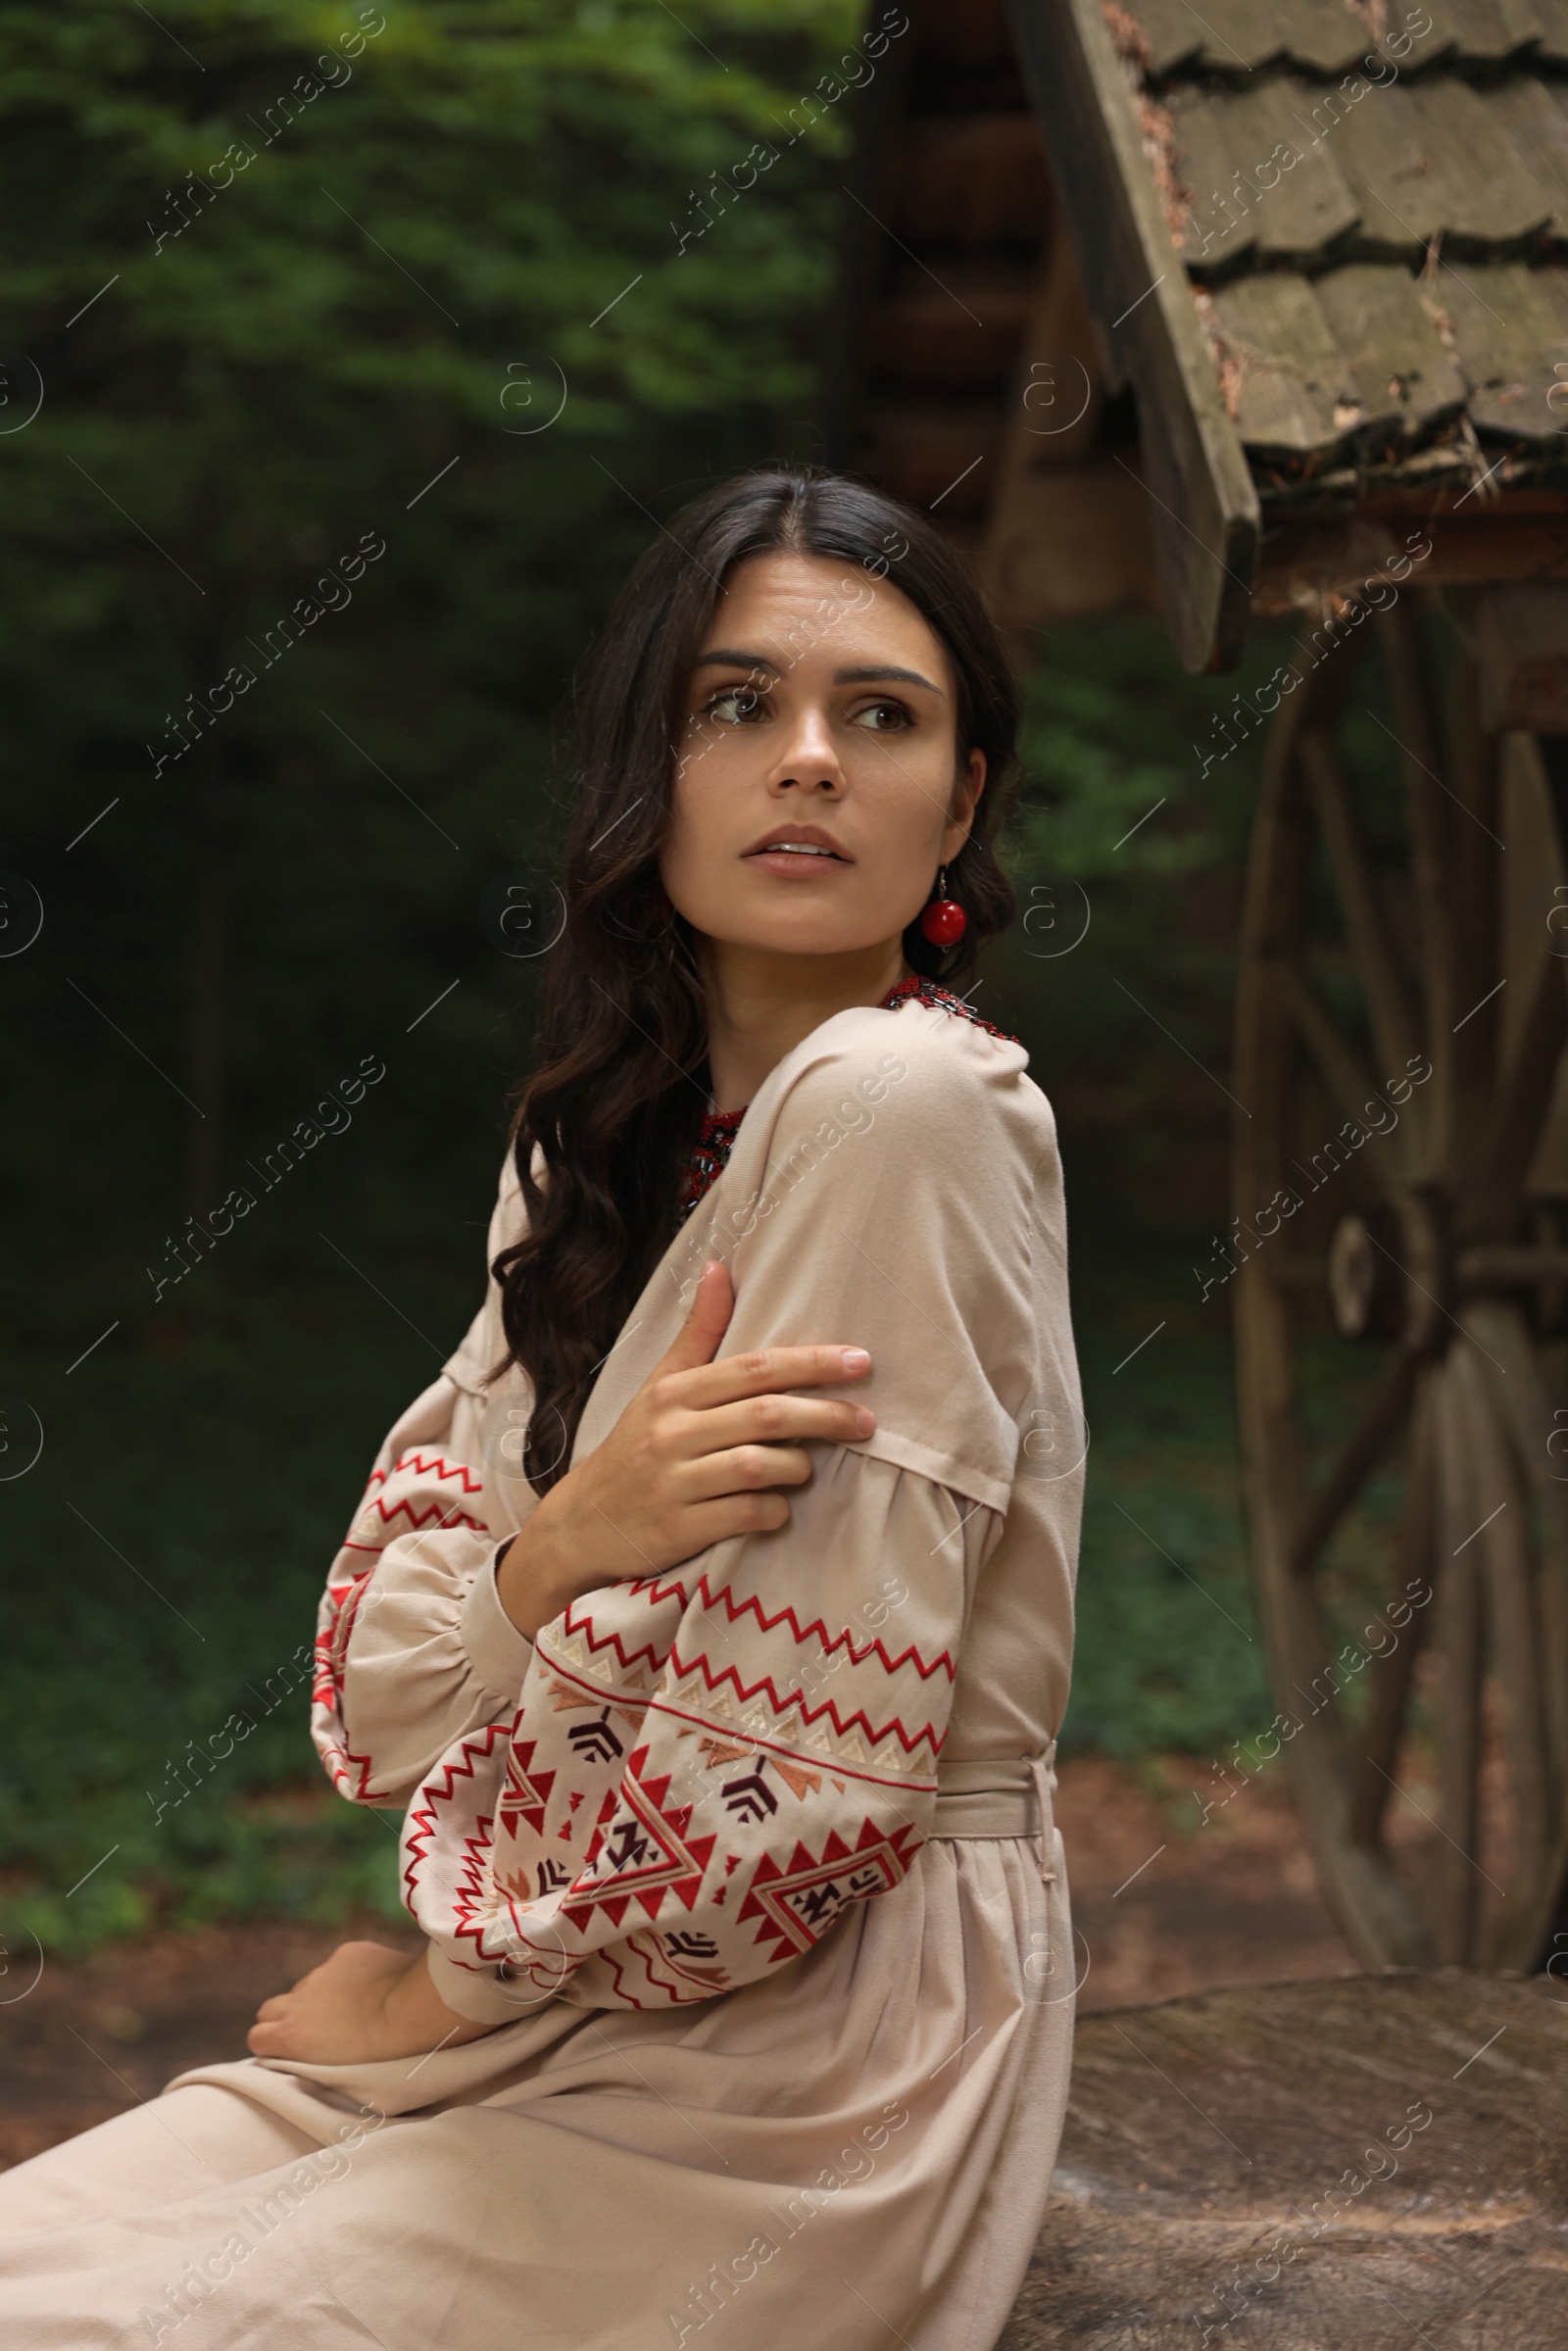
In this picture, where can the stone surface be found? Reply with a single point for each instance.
(1377, 2162)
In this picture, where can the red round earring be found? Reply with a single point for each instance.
(944, 921)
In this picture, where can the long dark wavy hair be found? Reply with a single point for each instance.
(618, 1096)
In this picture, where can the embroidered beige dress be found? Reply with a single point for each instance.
(751, 1865)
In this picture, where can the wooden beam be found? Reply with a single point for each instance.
(1070, 540)
(1339, 557)
(877, 114)
(1067, 532)
(1205, 515)
(1522, 634)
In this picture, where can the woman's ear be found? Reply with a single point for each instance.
(968, 785)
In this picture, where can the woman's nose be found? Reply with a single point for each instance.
(810, 760)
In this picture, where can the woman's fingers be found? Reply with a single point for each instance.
(765, 1371)
(779, 1420)
(745, 1469)
(698, 1339)
(762, 1513)
(697, 1457)
(761, 1510)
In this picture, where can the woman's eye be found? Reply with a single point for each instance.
(882, 717)
(734, 707)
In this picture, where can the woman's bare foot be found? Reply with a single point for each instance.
(363, 2003)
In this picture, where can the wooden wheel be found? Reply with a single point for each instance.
(1401, 1253)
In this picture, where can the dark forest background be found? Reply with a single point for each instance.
(442, 309)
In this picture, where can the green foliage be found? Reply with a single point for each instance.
(350, 340)
(1168, 1654)
(1131, 803)
(343, 328)
(166, 1558)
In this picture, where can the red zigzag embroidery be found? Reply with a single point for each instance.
(719, 1596)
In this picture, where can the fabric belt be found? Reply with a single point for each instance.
(1009, 1797)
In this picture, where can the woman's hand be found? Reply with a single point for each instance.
(700, 1454)
(363, 2003)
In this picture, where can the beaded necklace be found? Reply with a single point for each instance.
(710, 1153)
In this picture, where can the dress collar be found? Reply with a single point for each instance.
(710, 1153)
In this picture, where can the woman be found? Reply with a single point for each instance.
(708, 1619)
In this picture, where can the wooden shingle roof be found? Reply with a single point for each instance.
(1208, 304)
(1416, 238)
(1327, 243)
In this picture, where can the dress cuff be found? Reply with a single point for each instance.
(480, 1996)
(498, 1652)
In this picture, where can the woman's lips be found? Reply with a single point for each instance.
(794, 864)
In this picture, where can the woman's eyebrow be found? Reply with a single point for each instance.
(877, 677)
(726, 657)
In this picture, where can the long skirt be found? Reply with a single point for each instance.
(851, 2153)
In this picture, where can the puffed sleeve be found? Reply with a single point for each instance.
(704, 1768)
(413, 1646)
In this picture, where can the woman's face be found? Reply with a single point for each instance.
(817, 781)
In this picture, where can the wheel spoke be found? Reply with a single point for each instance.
(1393, 1673)
(1473, 909)
(1456, 1871)
(1371, 1439)
(1339, 1064)
(1506, 1266)
(1371, 949)
(1520, 1396)
(1525, 1100)
(1502, 1543)
(1429, 804)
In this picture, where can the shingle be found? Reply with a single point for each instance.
(1312, 202)
(1484, 30)
(1404, 377)
(1554, 20)
(1510, 326)
(1376, 148)
(1227, 36)
(1237, 36)
(1435, 157)
(1256, 177)
(1323, 35)
(1537, 128)
(1296, 392)
(1212, 137)
(1521, 22)
(1173, 31)
(1488, 191)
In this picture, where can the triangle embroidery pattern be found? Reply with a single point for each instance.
(796, 1905)
(567, 1699)
(523, 1798)
(719, 1750)
(639, 1851)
